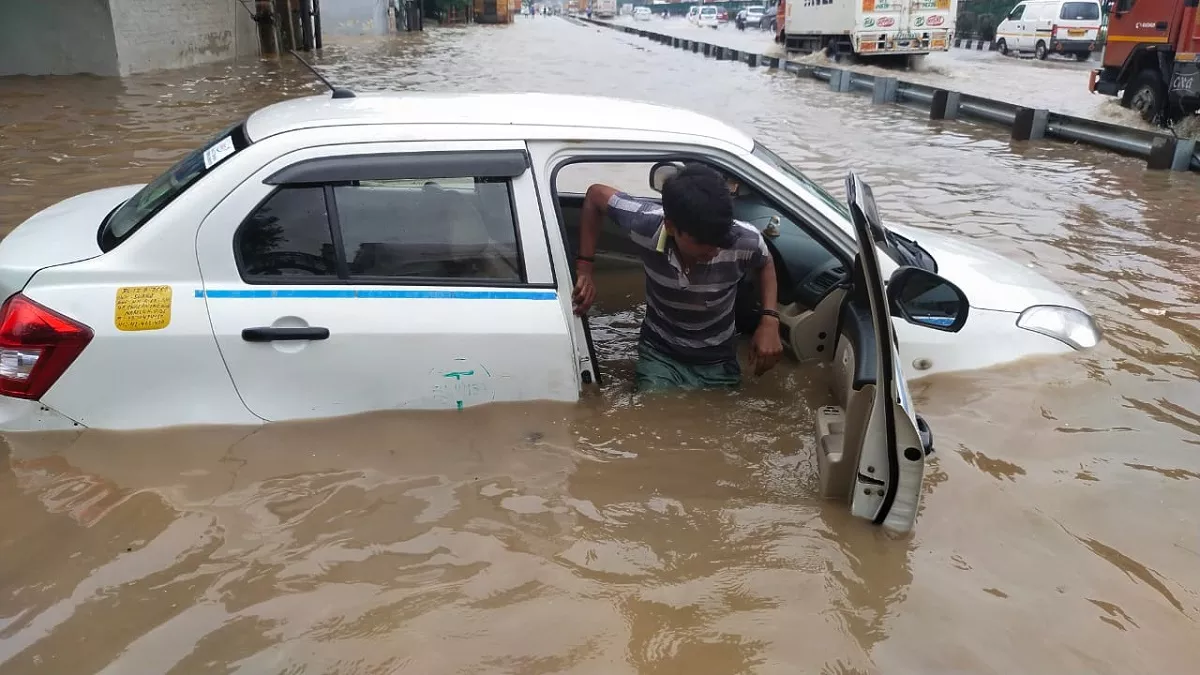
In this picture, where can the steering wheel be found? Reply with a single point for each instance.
(273, 262)
(808, 294)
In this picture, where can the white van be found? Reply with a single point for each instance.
(641, 14)
(1045, 26)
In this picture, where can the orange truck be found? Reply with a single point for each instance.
(1152, 58)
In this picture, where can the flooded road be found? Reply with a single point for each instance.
(1059, 84)
(629, 535)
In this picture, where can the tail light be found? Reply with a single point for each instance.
(1054, 31)
(37, 345)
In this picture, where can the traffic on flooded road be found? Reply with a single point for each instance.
(624, 532)
(1058, 83)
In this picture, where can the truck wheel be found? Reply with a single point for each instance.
(1040, 51)
(1146, 95)
(1002, 47)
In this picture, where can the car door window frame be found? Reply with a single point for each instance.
(329, 171)
(807, 218)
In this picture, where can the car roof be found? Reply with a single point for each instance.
(528, 109)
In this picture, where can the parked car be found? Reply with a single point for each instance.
(336, 255)
(708, 16)
(641, 13)
(1051, 26)
(754, 15)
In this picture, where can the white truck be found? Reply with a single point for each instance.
(868, 27)
(604, 9)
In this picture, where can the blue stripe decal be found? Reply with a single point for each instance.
(342, 293)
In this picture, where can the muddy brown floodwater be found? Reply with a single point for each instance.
(676, 534)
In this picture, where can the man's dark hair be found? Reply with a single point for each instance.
(697, 202)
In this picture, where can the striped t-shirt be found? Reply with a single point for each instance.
(689, 317)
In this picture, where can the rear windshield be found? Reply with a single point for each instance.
(708, 10)
(148, 201)
(1080, 11)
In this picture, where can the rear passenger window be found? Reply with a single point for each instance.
(288, 235)
(452, 230)
(1080, 11)
(457, 228)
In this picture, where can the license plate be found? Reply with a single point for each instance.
(867, 46)
(938, 44)
(1076, 32)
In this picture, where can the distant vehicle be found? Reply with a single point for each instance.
(1149, 59)
(604, 9)
(754, 15)
(642, 14)
(708, 16)
(722, 14)
(1051, 26)
(868, 27)
(693, 14)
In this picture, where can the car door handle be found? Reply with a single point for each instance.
(271, 334)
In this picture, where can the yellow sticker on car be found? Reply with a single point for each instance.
(143, 308)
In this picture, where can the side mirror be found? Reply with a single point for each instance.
(923, 298)
(660, 172)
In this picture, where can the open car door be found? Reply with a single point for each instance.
(873, 448)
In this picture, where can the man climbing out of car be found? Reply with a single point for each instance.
(694, 254)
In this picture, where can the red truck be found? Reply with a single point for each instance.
(1150, 58)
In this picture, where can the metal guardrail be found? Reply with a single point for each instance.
(1161, 151)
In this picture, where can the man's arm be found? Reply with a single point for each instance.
(766, 347)
(595, 207)
(640, 218)
(770, 287)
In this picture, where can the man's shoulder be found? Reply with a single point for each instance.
(745, 235)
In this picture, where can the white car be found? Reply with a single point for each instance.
(706, 17)
(641, 13)
(333, 255)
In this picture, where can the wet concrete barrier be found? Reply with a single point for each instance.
(1160, 150)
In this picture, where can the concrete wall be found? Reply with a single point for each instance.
(120, 37)
(353, 17)
(153, 34)
(56, 37)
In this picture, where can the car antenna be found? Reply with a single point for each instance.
(337, 93)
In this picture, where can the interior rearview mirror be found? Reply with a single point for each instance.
(660, 172)
(923, 298)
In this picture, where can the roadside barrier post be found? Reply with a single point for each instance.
(752, 60)
(944, 105)
(1184, 149)
(885, 89)
(1162, 154)
(839, 80)
(1030, 124)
